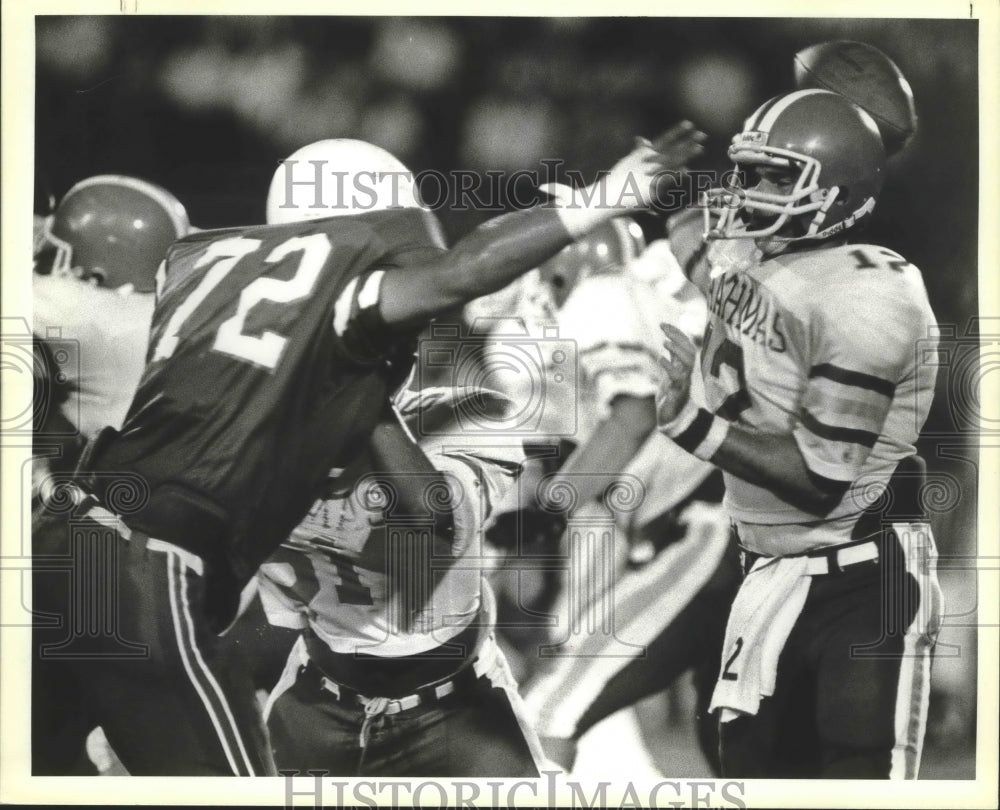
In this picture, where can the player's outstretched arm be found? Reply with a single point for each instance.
(772, 461)
(504, 248)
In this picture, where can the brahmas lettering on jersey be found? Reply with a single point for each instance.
(104, 334)
(614, 321)
(264, 371)
(322, 576)
(823, 345)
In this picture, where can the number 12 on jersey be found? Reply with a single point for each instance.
(220, 258)
(725, 352)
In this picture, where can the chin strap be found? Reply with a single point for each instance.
(848, 222)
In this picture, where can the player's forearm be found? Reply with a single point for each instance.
(775, 463)
(484, 261)
(613, 444)
(771, 461)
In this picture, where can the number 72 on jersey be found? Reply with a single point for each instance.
(221, 257)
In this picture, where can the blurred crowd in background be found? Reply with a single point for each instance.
(206, 106)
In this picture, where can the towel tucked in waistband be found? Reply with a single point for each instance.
(765, 610)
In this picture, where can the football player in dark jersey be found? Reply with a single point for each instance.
(272, 353)
(96, 257)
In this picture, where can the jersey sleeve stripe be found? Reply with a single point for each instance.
(837, 405)
(857, 379)
(342, 309)
(696, 432)
(838, 434)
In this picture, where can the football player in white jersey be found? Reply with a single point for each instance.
(815, 395)
(361, 694)
(661, 577)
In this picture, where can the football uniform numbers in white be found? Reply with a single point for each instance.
(304, 584)
(264, 350)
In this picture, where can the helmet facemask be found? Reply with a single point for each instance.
(61, 263)
(56, 254)
(734, 203)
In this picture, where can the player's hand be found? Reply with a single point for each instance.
(677, 361)
(653, 165)
(633, 181)
(678, 146)
(631, 184)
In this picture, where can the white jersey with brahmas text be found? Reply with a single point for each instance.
(322, 578)
(105, 333)
(825, 345)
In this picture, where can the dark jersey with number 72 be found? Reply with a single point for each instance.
(267, 367)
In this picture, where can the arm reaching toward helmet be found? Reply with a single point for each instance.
(503, 248)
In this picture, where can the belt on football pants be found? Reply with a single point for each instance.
(424, 695)
(85, 505)
(91, 509)
(823, 561)
(376, 708)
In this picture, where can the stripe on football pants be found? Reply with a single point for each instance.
(913, 690)
(198, 673)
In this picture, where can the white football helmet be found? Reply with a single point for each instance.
(338, 177)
